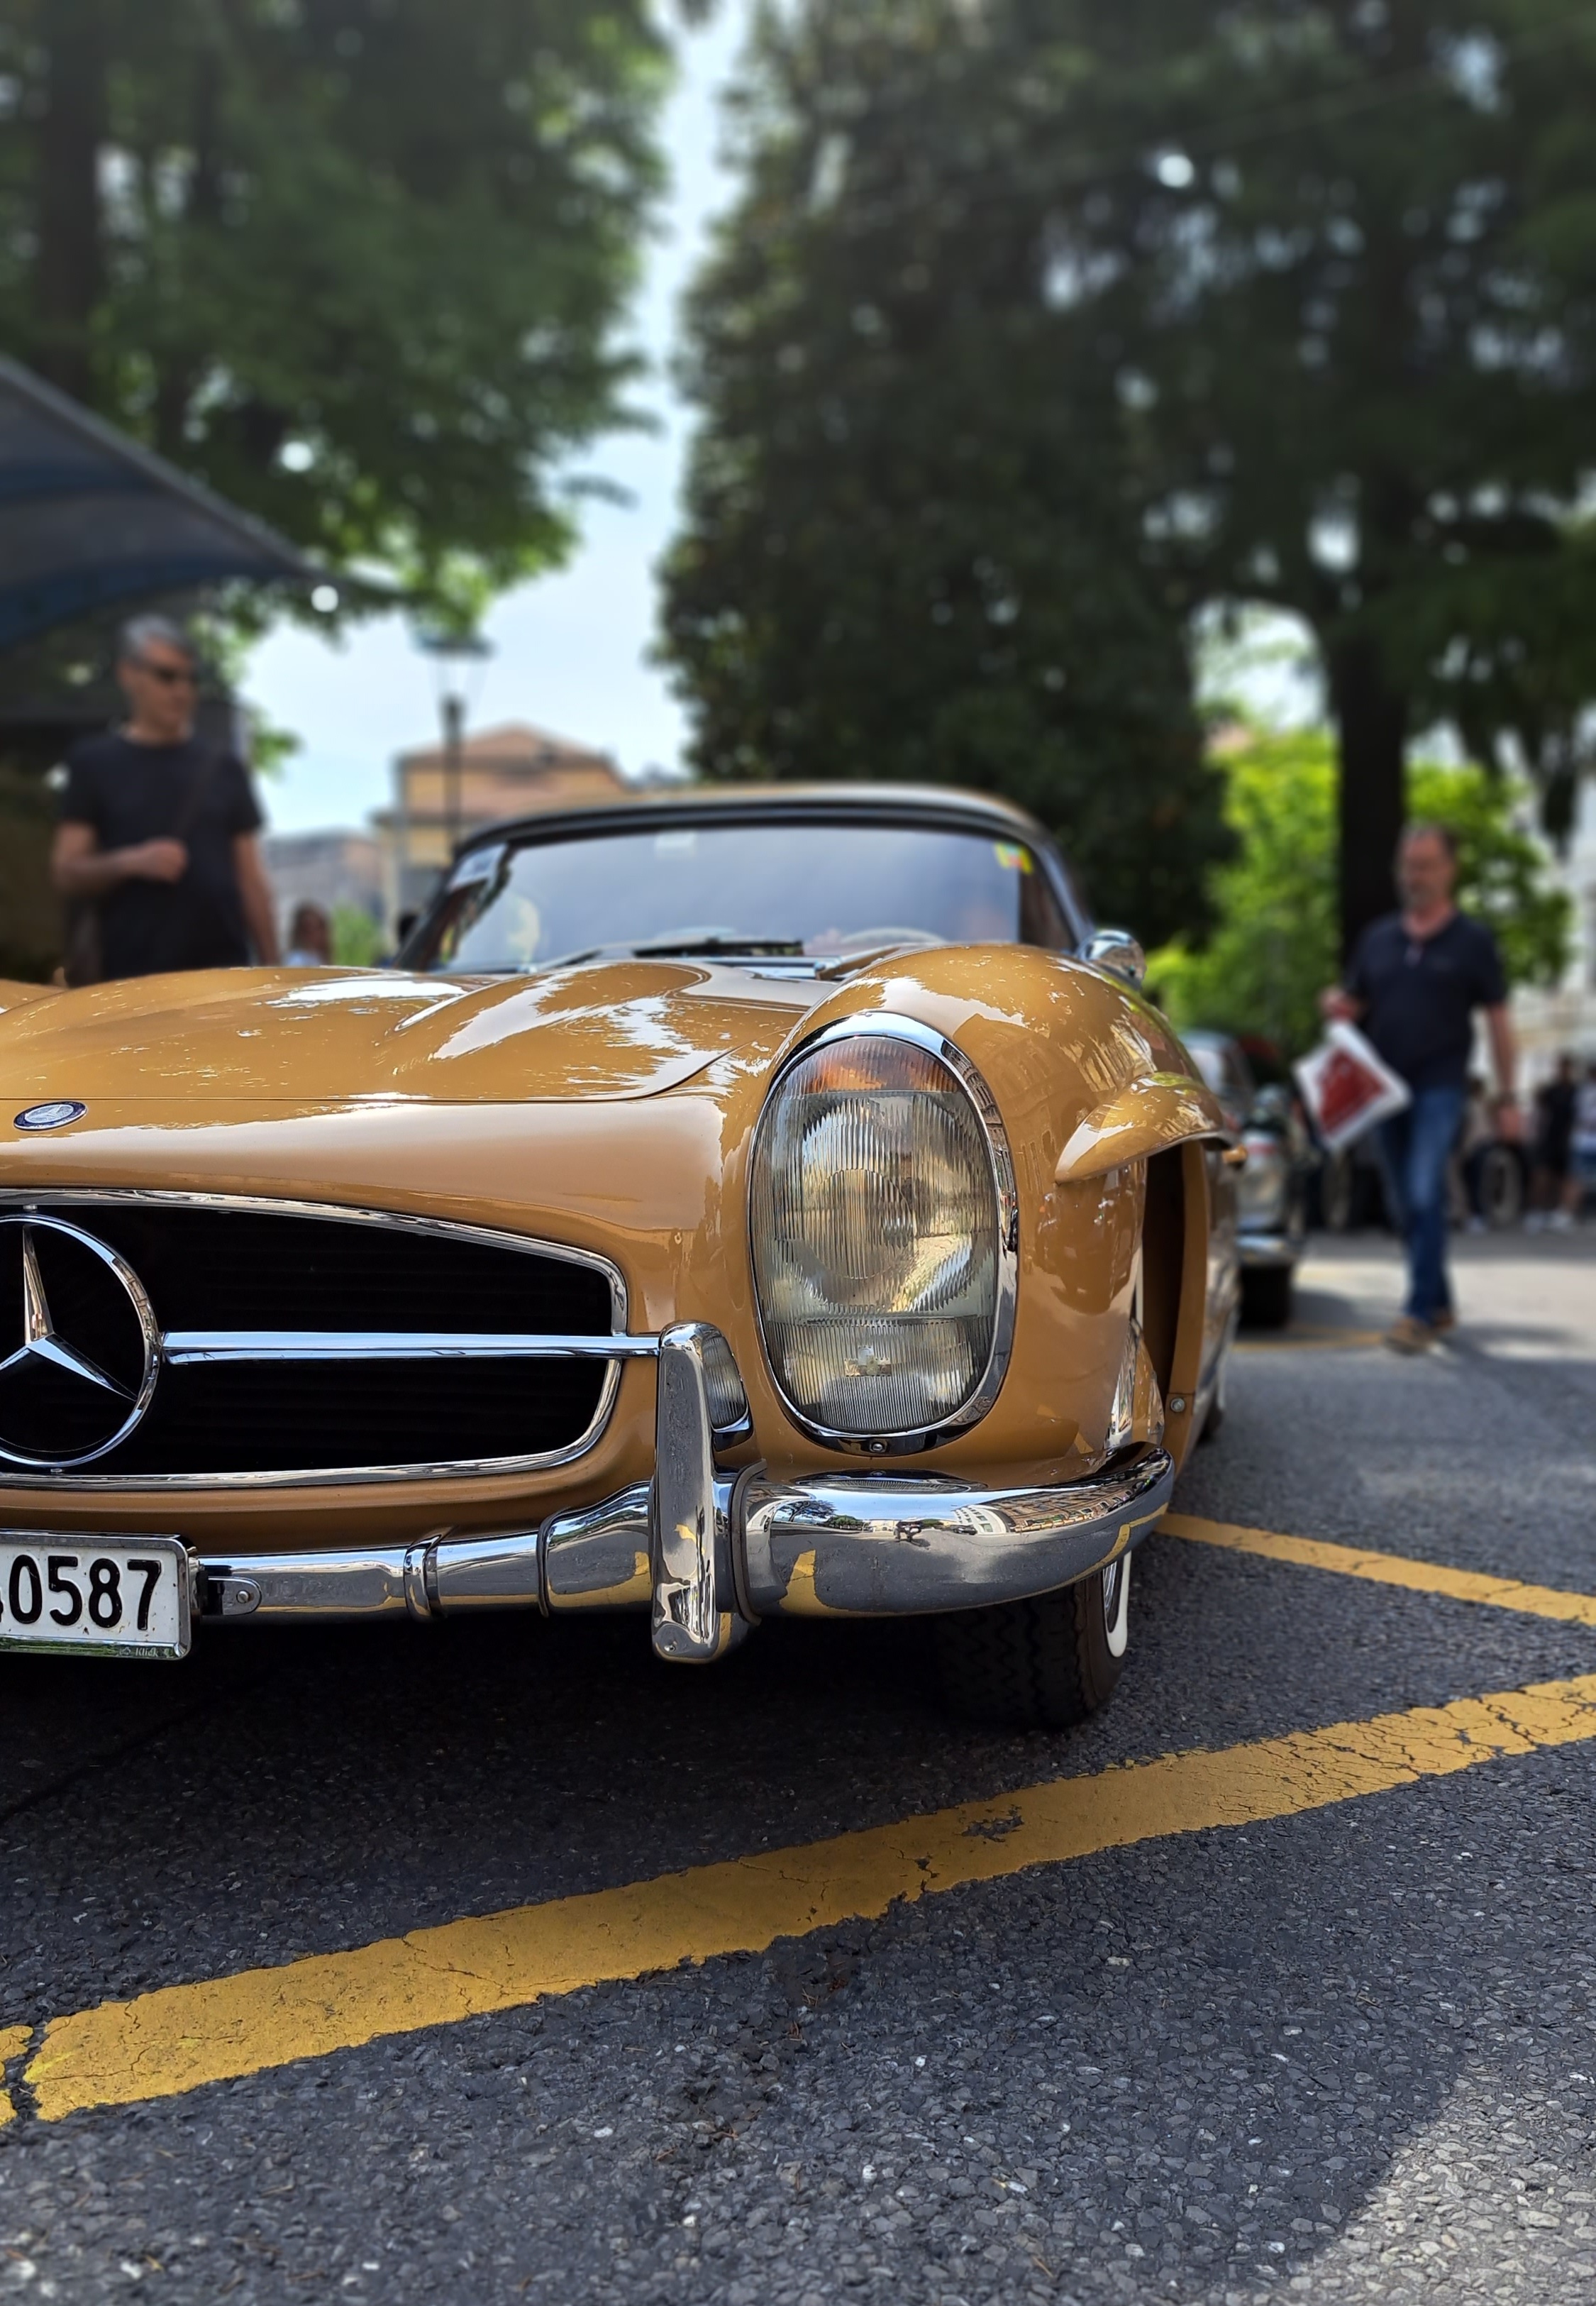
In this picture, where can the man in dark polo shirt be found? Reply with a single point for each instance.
(158, 829)
(1416, 980)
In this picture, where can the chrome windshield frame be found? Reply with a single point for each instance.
(481, 854)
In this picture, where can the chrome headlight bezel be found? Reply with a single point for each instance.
(885, 1025)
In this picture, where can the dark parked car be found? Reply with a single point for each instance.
(1273, 1189)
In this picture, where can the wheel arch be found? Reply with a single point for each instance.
(1175, 1281)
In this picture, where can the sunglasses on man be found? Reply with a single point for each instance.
(170, 675)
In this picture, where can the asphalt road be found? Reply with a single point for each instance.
(1345, 2054)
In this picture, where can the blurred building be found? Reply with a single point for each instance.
(1558, 1019)
(338, 871)
(513, 771)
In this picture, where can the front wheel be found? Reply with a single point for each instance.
(1044, 1664)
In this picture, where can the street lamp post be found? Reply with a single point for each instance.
(451, 653)
(453, 708)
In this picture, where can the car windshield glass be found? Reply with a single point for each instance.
(814, 890)
(1225, 1070)
(1209, 1059)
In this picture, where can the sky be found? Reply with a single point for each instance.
(571, 651)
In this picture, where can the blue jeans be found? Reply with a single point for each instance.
(1415, 1148)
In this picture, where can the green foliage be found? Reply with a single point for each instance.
(1353, 290)
(357, 940)
(910, 550)
(357, 263)
(271, 748)
(1501, 870)
(1275, 946)
(1040, 327)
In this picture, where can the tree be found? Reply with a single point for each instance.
(358, 941)
(909, 550)
(1345, 251)
(1274, 951)
(1288, 301)
(1275, 946)
(357, 263)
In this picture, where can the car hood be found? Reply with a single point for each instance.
(602, 1033)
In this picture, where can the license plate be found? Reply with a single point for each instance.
(113, 1596)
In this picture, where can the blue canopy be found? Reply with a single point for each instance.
(89, 520)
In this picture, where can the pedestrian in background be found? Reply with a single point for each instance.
(310, 939)
(156, 850)
(1582, 1180)
(1556, 1105)
(1416, 980)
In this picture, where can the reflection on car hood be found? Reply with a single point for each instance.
(625, 1029)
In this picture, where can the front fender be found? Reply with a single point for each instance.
(1150, 1115)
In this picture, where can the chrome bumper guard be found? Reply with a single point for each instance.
(709, 1554)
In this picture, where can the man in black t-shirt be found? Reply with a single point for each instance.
(158, 829)
(1416, 980)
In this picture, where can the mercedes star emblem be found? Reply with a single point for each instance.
(83, 1370)
(54, 1115)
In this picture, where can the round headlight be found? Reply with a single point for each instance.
(879, 1220)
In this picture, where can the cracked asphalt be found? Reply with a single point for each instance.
(1347, 2054)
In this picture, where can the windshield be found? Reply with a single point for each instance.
(814, 890)
(1223, 1068)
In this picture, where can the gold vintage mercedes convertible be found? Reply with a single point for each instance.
(733, 1205)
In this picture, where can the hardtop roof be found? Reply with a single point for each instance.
(946, 806)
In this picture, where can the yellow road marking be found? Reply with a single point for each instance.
(1391, 1569)
(1303, 1339)
(181, 2036)
(13, 2041)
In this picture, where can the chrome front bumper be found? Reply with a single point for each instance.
(709, 1554)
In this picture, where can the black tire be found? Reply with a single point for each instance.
(1039, 1665)
(1266, 1296)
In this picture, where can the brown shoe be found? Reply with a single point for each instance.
(1444, 1320)
(1406, 1334)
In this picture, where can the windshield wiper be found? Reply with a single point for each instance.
(679, 944)
(686, 947)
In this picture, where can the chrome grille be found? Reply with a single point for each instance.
(235, 1267)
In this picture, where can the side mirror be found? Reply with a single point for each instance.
(1118, 952)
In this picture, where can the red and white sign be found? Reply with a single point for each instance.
(1348, 1086)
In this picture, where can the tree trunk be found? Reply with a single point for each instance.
(1370, 719)
(178, 378)
(70, 270)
